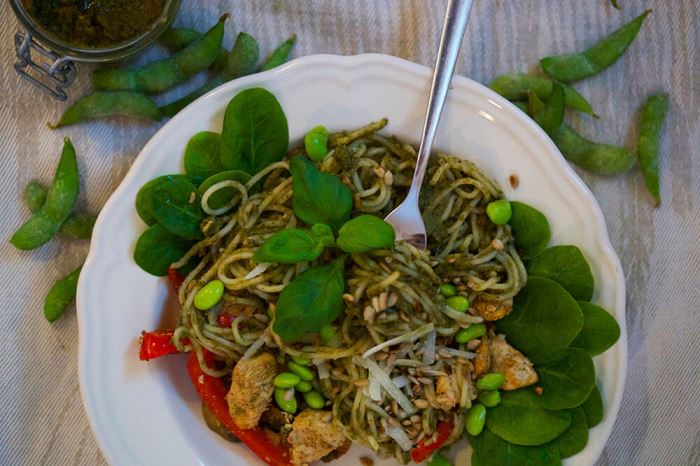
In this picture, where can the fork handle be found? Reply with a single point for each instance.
(453, 29)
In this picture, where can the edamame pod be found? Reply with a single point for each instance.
(165, 74)
(601, 159)
(579, 65)
(35, 195)
(516, 86)
(241, 61)
(551, 116)
(107, 104)
(61, 294)
(77, 225)
(177, 39)
(653, 115)
(46, 222)
(280, 55)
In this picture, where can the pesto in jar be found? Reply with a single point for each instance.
(95, 23)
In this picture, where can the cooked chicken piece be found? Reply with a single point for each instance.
(314, 436)
(516, 368)
(492, 310)
(482, 362)
(446, 392)
(251, 389)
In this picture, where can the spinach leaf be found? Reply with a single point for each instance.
(520, 419)
(289, 246)
(566, 266)
(600, 329)
(364, 233)
(311, 301)
(157, 248)
(144, 198)
(224, 195)
(491, 450)
(566, 379)
(544, 320)
(176, 206)
(255, 132)
(202, 154)
(593, 408)
(530, 229)
(575, 438)
(323, 233)
(319, 197)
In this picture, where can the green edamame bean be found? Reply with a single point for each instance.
(60, 199)
(653, 115)
(551, 115)
(302, 371)
(79, 226)
(287, 405)
(439, 460)
(241, 61)
(61, 294)
(499, 212)
(286, 380)
(458, 303)
(476, 418)
(492, 381)
(601, 159)
(468, 334)
(34, 195)
(280, 55)
(448, 290)
(316, 143)
(301, 360)
(303, 387)
(165, 74)
(516, 86)
(579, 65)
(314, 399)
(209, 295)
(490, 398)
(108, 104)
(327, 334)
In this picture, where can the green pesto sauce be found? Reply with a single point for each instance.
(95, 23)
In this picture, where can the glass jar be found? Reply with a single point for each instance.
(49, 62)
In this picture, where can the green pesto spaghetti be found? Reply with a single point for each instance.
(389, 368)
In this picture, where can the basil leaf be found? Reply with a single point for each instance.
(311, 301)
(593, 408)
(520, 419)
(224, 195)
(289, 246)
(364, 233)
(566, 380)
(491, 450)
(144, 198)
(575, 438)
(323, 234)
(202, 154)
(157, 248)
(319, 197)
(567, 266)
(255, 132)
(544, 320)
(176, 206)
(530, 229)
(600, 330)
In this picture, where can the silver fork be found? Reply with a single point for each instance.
(406, 218)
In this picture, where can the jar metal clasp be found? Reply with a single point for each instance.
(46, 69)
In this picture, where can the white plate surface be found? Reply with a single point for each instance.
(148, 413)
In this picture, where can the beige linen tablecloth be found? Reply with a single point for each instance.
(41, 414)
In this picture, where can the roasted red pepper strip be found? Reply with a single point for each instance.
(213, 394)
(423, 450)
(175, 278)
(225, 319)
(157, 344)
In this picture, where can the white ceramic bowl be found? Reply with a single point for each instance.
(149, 413)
